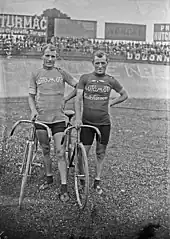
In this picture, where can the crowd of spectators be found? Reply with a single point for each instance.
(9, 44)
(115, 48)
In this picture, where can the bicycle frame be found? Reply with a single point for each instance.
(32, 140)
(69, 129)
(33, 122)
(29, 154)
(30, 150)
(83, 160)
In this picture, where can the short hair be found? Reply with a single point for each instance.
(100, 54)
(49, 47)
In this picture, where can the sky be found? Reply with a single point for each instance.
(125, 11)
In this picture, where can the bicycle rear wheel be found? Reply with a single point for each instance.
(81, 176)
(28, 157)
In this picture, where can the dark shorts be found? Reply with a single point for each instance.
(55, 127)
(87, 134)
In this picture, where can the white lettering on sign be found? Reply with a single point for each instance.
(2, 21)
(18, 22)
(36, 23)
(129, 56)
(43, 24)
(166, 59)
(159, 57)
(162, 36)
(161, 32)
(27, 22)
(162, 27)
(10, 21)
(167, 28)
(132, 70)
(144, 57)
(137, 56)
(152, 57)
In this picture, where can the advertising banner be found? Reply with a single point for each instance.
(126, 32)
(75, 28)
(151, 58)
(161, 32)
(23, 25)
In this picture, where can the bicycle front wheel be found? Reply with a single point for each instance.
(68, 151)
(28, 157)
(81, 176)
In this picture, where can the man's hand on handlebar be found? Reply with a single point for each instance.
(78, 123)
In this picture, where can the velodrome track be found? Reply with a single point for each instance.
(136, 173)
(140, 80)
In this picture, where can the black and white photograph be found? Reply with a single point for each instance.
(84, 119)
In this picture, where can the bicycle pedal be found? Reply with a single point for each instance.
(37, 164)
(81, 176)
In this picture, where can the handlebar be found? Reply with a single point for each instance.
(33, 122)
(81, 126)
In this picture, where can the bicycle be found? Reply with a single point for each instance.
(31, 150)
(77, 158)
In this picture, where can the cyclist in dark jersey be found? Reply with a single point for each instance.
(46, 101)
(94, 91)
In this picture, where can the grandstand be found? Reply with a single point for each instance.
(78, 38)
(17, 45)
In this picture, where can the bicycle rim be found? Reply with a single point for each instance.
(68, 151)
(33, 155)
(25, 174)
(82, 191)
(23, 164)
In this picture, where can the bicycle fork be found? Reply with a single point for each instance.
(29, 149)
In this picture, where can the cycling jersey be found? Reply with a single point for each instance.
(97, 89)
(49, 87)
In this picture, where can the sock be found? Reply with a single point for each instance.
(49, 179)
(63, 188)
(96, 183)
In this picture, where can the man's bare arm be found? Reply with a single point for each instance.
(123, 96)
(78, 103)
(31, 102)
(71, 95)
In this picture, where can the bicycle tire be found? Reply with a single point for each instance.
(81, 192)
(34, 154)
(68, 150)
(23, 164)
(25, 175)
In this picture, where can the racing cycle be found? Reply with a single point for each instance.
(30, 152)
(74, 154)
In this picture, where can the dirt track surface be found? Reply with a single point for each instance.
(135, 181)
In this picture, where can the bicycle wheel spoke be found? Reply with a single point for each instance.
(28, 156)
(69, 152)
(81, 177)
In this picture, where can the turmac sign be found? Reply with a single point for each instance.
(23, 25)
